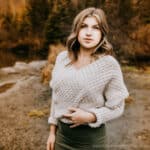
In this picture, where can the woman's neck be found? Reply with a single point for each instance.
(85, 52)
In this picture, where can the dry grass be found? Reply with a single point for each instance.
(5, 87)
(53, 52)
(134, 69)
(129, 100)
(38, 113)
(143, 135)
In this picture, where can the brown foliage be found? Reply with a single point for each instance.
(142, 38)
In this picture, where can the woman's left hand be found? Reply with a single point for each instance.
(79, 116)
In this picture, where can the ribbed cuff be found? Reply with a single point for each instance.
(98, 118)
(52, 121)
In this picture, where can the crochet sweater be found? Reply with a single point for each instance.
(98, 88)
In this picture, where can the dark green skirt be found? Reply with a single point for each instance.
(82, 137)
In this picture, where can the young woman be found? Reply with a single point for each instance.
(87, 87)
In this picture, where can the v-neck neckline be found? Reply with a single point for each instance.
(86, 66)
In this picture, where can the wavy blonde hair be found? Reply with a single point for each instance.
(104, 47)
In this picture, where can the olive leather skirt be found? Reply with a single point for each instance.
(82, 137)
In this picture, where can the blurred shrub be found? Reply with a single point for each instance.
(141, 43)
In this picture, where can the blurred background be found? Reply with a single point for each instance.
(33, 32)
(29, 27)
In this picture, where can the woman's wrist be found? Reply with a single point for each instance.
(52, 134)
(53, 129)
(91, 117)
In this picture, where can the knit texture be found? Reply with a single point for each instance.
(98, 88)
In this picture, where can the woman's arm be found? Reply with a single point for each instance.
(115, 94)
(53, 125)
(79, 116)
(53, 129)
(52, 119)
(51, 138)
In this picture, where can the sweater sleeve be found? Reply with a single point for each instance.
(52, 119)
(115, 94)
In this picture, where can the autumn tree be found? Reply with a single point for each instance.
(37, 12)
(59, 21)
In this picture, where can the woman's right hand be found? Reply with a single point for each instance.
(51, 141)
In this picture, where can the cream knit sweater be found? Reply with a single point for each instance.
(97, 87)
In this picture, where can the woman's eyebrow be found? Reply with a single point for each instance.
(87, 24)
(83, 23)
(96, 24)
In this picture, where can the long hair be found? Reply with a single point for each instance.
(104, 47)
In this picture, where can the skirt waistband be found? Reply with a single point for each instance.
(80, 126)
(81, 130)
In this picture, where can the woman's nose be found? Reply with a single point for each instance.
(88, 31)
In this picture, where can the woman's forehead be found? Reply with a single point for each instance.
(90, 20)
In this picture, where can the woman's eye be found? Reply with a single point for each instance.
(83, 26)
(96, 27)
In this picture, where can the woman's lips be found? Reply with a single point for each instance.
(87, 39)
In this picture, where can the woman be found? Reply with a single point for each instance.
(87, 87)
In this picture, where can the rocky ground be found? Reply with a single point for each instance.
(25, 103)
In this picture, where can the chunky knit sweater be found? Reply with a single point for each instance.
(98, 88)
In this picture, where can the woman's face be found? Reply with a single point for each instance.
(89, 34)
